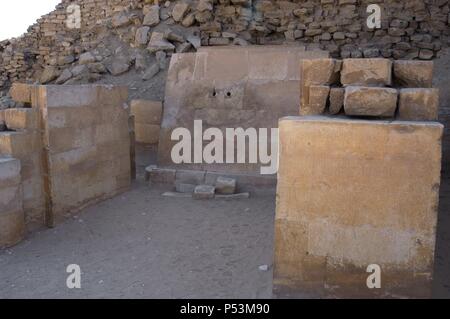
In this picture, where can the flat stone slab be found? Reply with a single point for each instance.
(352, 193)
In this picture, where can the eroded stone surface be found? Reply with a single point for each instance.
(366, 72)
(419, 104)
(370, 101)
(353, 193)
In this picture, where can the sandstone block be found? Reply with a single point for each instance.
(419, 104)
(352, 193)
(413, 74)
(318, 98)
(12, 227)
(370, 101)
(9, 172)
(162, 176)
(366, 72)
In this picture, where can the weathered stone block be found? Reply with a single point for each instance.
(147, 133)
(225, 186)
(370, 101)
(146, 112)
(317, 72)
(21, 119)
(419, 104)
(9, 172)
(318, 98)
(19, 144)
(366, 72)
(337, 96)
(413, 74)
(204, 192)
(21, 92)
(185, 188)
(162, 176)
(352, 193)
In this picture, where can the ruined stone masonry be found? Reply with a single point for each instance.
(50, 51)
(70, 150)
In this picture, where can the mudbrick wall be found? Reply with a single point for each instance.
(415, 29)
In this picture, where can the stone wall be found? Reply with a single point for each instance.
(73, 147)
(410, 29)
(12, 219)
(231, 88)
(353, 193)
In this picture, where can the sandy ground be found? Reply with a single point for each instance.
(143, 245)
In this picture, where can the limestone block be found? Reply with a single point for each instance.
(21, 119)
(317, 72)
(413, 74)
(337, 96)
(225, 185)
(19, 144)
(419, 104)
(352, 193)
(202, 192)
(318, 98)
(146, 112)
(162, 176)
(366, 72)
(9, 172)
(12, 228)
(190, 177)
(147, 133)
(21, 92)
(370, 101)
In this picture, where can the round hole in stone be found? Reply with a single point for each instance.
(228, 94)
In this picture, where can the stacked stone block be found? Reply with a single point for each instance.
(147, 117)
(22, 140)
(12, 219)
(369, 88)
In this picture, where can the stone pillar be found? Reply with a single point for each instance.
(355, 193)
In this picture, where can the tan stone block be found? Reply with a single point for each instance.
(77, 117)
(9, 172)
(261, 69)
(21, 119)
(318, 98)
(370, 101)
(317, 72)
(19, 144)
(12, 227)
(413, 74)
(357, 192)
(337, 96)
(227, 65)
(147, 133)
(11, 198)
(21, 92)
(146, 112)
(31, 165)
(111, 95)
(69, 96)
(68, 138)
(419, 104)
(366, 72)
(32, 189)
(64, 160)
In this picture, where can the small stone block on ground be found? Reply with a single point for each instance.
(204, 192)
(225, 186)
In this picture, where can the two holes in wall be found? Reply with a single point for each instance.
(227, 95)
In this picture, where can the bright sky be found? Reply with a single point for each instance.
(17, 15)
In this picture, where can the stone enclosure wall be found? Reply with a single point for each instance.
(72, 149)
(409, 29)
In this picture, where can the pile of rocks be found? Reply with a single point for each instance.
(369, 88)
(114, 35)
